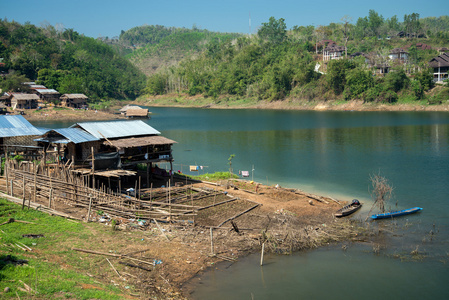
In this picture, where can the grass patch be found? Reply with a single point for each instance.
(214, 176)
(51, 270)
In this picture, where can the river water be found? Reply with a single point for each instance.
(331, 154)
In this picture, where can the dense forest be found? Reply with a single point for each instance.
(277, 63)
(66, 61)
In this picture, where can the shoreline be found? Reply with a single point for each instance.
(353, 105)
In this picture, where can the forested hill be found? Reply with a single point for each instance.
(65, 61)
(278, 64)
(155, 47)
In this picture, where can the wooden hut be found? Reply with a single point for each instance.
(24, 101)
(133, 113)
(135, 141)
(48, 95)
(74, 100)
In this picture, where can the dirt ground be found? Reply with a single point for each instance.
(286, 220)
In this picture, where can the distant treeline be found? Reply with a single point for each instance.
(277, 63)
(66, 61)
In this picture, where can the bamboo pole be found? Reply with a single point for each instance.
(90, 206)
(211, 241)
(261, 254)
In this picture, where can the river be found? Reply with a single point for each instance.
(331, 154)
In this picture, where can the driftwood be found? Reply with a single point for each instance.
(234, 225)
(318, 198)
(11, 220)
(160, 228)
(216, 204)
(239, 214)
(111, 254)
(134, 266)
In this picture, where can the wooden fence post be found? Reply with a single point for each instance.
(90, 206)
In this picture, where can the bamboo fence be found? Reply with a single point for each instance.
(57, 183)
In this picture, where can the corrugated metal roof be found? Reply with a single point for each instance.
(16, 126)
(47, 91)
(117, 129)
(75, 135)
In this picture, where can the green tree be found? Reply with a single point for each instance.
(275, 31)
(336, 74)
(375, 21)
(358, 81)
(396, 80)
(13, 83)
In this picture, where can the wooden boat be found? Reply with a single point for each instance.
(397, 213)
(348, 209)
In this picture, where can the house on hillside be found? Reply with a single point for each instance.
(419, 46)
(23, 101)
(333, 52)
(17, 134)
(74, 100)
(48, 96)
(398, 54)
(440, 65)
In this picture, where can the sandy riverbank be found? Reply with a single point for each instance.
(353, 105)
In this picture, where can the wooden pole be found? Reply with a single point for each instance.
(23, 198)
(191, 198)
(169, 202)
(148, 174)
(93, 168)
(211, 241)
(49, 198)
(90, 206)
(261, 254)
(139, 192)
(6, 168)
(35, 185)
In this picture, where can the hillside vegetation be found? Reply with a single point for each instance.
(65, 61)
(278, 64)
(154, 47)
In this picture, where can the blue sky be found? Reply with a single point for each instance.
(96, 18)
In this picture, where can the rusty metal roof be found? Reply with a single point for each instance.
(140, 141)
(117, 129)
(17, 126)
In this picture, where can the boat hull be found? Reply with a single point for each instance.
(398, 213)
(347, 210)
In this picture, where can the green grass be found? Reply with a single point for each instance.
(215, 176)
(52, 270)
